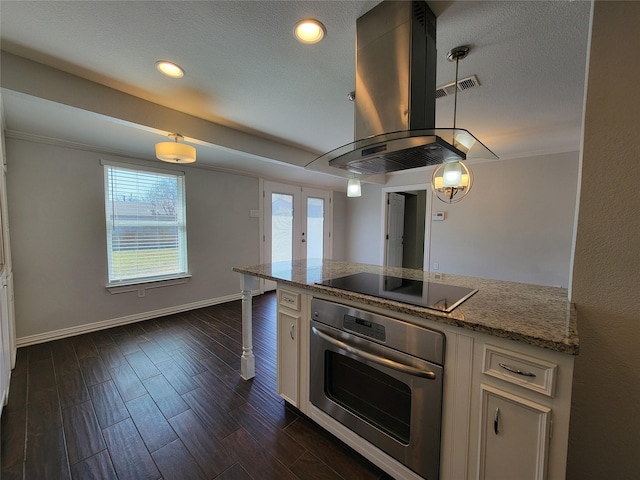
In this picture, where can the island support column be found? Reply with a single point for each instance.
(248, 360)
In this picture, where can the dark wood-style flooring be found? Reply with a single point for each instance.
(163, 399)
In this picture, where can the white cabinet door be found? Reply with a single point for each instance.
(514, 437)
(288, 347)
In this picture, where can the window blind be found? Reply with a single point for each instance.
(146, 224)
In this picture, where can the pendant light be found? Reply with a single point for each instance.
(354, 189)
(174, 152)
(451, 181)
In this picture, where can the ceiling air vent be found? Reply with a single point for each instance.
(463, 84)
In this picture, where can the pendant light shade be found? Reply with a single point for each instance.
(354, 189)
(174, 152)
(452, 174)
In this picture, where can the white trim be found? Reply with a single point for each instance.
(114, 322)
(142, 285)
(456, 411)
(137, 166)
(261, 234)
(330, 223)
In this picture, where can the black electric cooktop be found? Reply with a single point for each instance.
(436, 296)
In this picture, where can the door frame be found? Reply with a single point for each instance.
(392, 227)
(427, 220)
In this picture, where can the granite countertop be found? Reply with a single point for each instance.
(533, 314)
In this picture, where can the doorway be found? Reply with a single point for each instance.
(406, 227)
(297, 224)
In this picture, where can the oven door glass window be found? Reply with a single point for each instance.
(377, 398)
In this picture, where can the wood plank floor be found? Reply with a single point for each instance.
(163, 399)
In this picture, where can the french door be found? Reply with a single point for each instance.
(297, 224)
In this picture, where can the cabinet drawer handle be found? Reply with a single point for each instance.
(516, 371)
(291, 331)
(287, 299)
(496, 419)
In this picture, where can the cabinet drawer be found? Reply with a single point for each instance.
(528, 372)
(289, 299)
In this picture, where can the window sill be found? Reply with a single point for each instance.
(142, 286)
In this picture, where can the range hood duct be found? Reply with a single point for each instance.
(395, 101)
(395, 69)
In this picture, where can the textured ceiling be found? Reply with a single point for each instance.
(245, 70)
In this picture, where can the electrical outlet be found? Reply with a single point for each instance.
(436, 266)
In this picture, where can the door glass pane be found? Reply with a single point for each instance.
(315, 227)
(281, 227)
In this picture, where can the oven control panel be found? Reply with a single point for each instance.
(412, 339)
(364, 327)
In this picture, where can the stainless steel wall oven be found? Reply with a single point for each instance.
(382, 378)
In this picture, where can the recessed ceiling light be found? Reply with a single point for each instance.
(309, 31)
(169, 69)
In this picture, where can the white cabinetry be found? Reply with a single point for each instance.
(288, 352)
(514, 437)
(506, 404)
(523, 392)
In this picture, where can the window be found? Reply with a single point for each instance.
(146, 224)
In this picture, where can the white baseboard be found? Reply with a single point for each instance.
(138, 317)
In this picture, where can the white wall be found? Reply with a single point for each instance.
(414, 229)
(363, 220)
(56, 211)
(339, 233)
(516, 223)
(605, 419)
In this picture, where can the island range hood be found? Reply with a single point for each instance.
(395, 97)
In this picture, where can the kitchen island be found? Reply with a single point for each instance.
(503, 325)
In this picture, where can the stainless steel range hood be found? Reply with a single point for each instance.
(395, 97)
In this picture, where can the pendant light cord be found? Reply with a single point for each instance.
(455, 96)
(455, 54)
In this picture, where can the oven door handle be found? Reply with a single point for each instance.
(418, 372)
